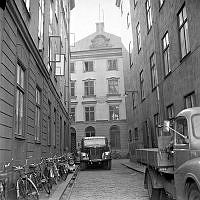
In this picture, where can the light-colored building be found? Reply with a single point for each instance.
(34, 105)
(97, 89)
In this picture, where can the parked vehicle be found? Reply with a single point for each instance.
(95, 150)
(71, 163)
(174, 167)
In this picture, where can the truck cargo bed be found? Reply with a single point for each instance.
(154, 157)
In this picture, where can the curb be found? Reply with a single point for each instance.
(133, 168)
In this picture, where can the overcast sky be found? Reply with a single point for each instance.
(85, 15)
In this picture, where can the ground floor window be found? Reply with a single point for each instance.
(90, 131)
(115, 137)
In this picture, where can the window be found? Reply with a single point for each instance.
(154, 74)
(165, 45)
(89, 113)
(112, 64)
(135, 3)
(55, 127)
(182, 128)
(133, 100)
(161, 3)
(190, 100)
(142, 85)
(90, 131)
(72, 67)
(72, 88)
(113, 86)
(130, 54)
(27, 3)
(136, 134)
(49, 124)
(19, 118)
(56, 9)
(114, 112)
(130, 136)
(41, 24)
(73, 114)
(88, 66)
(170, 112)
(89, 88)
(115, 137)
(183, 32)
(138, 33)
(148, 14)
(128, 20)
(156, 127)
(37, 114)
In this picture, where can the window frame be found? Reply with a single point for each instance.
(112, 112)
(192, 98)
(165, 52)
(142, 91)
(72, 64)
(117, 85)
(89, 113)
(110, 64)
(154, 71)
(183, 25)
(89, 88)
(73, 94)
(73, 114)
(84, 66)
(38, 100)
(49, 124)
(148, 15)
(138, 34)
(20, 106)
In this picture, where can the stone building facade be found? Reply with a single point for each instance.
(34, 101)
(165, 70)
(97, 89)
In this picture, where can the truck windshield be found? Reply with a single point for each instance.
(94, 142)
(196, 125)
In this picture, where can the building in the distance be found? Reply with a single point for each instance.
(165, 70)
(34, 105)
(97, 89)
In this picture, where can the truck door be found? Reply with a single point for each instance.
(181, 146)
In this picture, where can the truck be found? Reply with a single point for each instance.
(173, 169)
(95, 150)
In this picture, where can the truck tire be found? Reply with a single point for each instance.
(193, 192)
(154, 193)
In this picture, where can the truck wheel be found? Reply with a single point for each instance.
(154, 193)
(194, 192)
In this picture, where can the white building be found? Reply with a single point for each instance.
(97, 89)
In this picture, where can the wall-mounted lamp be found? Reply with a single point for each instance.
(130, 91)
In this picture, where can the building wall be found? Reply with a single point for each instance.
(19, 46)
(101, 101)
(183, 78)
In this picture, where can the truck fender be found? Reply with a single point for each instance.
(155, 177)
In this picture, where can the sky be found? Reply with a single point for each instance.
(85, 15)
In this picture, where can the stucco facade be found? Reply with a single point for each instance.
(98, 48)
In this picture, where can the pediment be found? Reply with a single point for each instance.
(100, 41)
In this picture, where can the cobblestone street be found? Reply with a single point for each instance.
(117, 183)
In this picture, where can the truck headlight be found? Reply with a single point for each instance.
(84, 155)
(106, 155)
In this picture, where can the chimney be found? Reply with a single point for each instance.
(100, 27)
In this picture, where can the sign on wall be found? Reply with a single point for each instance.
(60, 66)
(54, 49)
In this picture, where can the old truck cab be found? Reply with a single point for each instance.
(95, 150)
(174, 167)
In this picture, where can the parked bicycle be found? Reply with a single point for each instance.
(3, 182)
(38, 177)
(25, 187)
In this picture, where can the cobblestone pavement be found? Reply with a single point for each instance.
(119, 183)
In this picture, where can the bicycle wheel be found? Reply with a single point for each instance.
(32, 192)
(21, 189)
(46, 187)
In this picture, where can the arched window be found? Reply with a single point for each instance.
(115, 137)
(90, 131)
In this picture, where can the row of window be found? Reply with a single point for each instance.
(88, 66)
(185, 49)
(89, 89)
(89, 112)
(20, 113)
(183, 35)
(189, 101)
